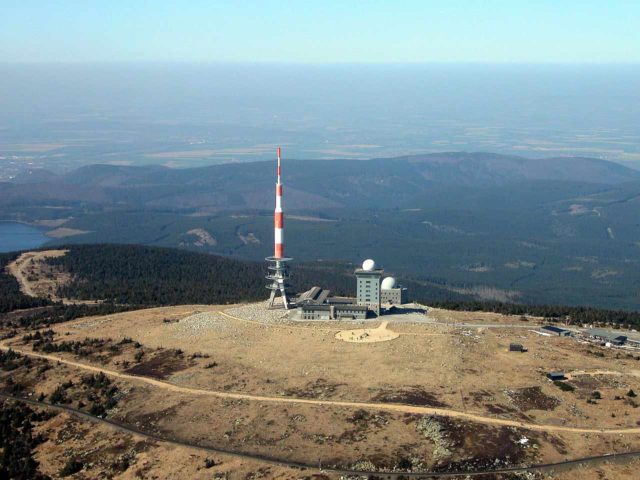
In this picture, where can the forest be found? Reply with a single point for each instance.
(127, 274)
(578, 315)
(147, 276)
(540, 254)
(17, 442)
(17, 439)
(126, 277)
(11, 298)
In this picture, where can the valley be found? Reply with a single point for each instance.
(460, 226)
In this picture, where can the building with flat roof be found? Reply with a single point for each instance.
(391, 293)
(368, 286)
(615, 338)
(562, 332)
(332, 312)
(394, 296)
(371, 293)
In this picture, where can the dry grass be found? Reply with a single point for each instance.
(461, 368)
(455, 362)
(449, 361)
(109, 453)
(39, 279)
(35, 277)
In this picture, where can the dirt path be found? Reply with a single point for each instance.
(593, 373)
(39, 288)
(128, 429)
(335, 403)
(19, 265)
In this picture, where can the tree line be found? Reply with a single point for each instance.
(17, 441)
(552, 312)
(132, 276)
(11, 298)
(142, 275)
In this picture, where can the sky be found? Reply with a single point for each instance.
(327, 31)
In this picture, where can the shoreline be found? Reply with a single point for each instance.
(40, 232)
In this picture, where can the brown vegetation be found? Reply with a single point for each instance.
(363, 400)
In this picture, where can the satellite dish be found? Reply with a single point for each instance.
(368, 265)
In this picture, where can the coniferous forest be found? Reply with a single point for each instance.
(140, 275)
(11, 298)
(579, 315)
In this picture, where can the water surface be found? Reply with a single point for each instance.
(17, 236)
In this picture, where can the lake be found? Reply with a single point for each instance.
(16, 236)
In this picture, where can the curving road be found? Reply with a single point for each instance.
(19, 265)
(549, 467)
(391, 407)
(16, 268)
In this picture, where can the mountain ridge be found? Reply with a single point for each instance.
(378, 182)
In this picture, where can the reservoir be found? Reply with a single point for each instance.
(17, 236)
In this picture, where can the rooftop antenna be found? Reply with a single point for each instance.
(278, 270)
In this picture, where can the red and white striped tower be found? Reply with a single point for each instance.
(278, 216)
(277, 265)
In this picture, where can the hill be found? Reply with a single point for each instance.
(382, 182)
(124, 277)
(493, 227)
(139, 275)
(11, 298)
(565, 252)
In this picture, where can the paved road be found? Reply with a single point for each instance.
(550, 467)
(391, 407)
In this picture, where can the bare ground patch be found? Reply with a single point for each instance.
(319, 388)
(475, 446)
(63, 232)
(162, 365)
(414, 395)
(39, 279)
(532, 398)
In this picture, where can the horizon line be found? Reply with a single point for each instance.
(331, 63)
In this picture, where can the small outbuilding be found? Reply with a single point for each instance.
(614, 338)
(516, 347)
(561, 332)
(556, 376)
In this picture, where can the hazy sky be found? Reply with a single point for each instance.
(320, 31)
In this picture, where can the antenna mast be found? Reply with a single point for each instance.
(277, 265)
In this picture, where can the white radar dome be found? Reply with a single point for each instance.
(388, 283)
(368, 265)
